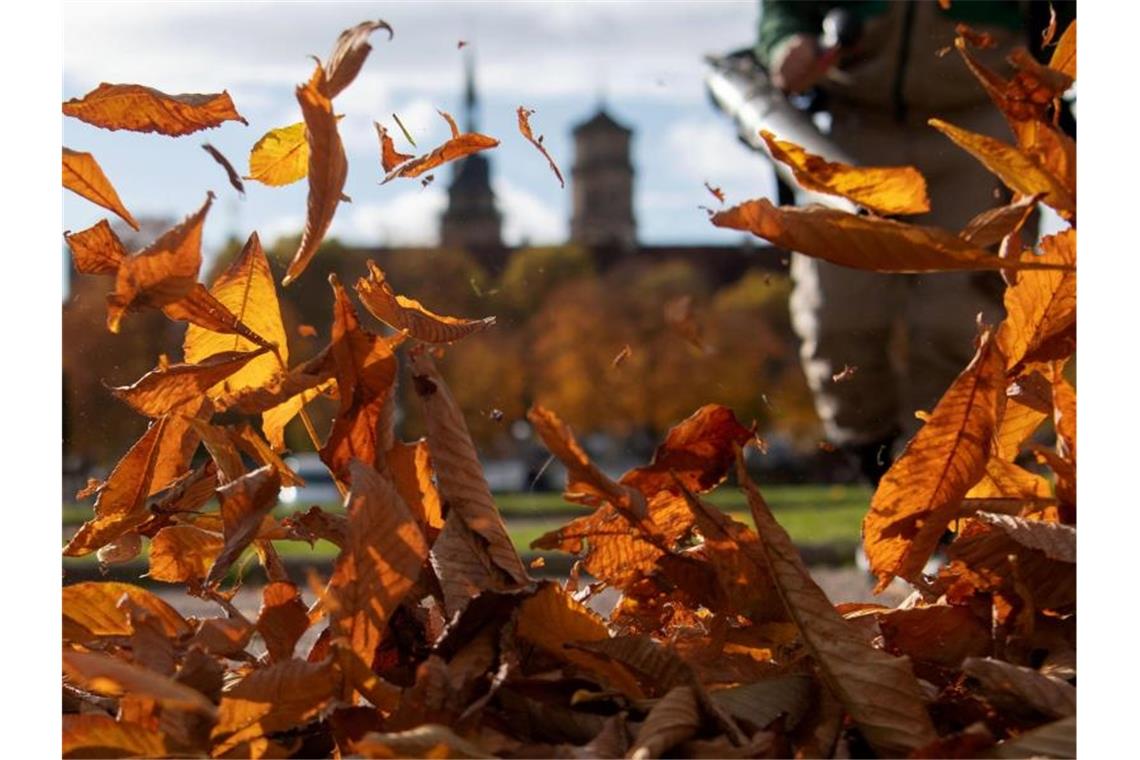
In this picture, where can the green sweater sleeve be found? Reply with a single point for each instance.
(780, 19)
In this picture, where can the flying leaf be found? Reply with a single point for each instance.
(365, 377)
(183, 553)
(716, 192)
(409, 464)
(410, 315)
(524, 129)
(121, 505)
(244, 502)
(163, 389)
(1042, 305)
(407, 134)
(390, 158)
(257, 448)
(1057, 739)
(458, 146)
(887, 191)
(96, 250)
(271, 699)
(461, 482)
(920, 493)
(91, 611)
(163, 272)
(204, 310)
(246, 289)
(381, 560)
(97, 735)
(83, 176)
(989, 227)
(280, 157)
(328, 169)
(940, 633)
(1017, 170)
(878, 690)
(103, 674)
(143, 109)
(698, 452)
(348, 56)
(231, 173)
(1016, 688)
(1064, 57)
(282, 620)
(464, 566)
(861, 242)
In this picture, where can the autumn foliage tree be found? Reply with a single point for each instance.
(430, 636)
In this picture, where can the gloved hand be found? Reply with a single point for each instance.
(796, 63)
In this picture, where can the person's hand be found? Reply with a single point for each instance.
(795, 63)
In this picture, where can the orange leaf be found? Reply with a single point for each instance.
(878, 690)
(919, 495)
(410, 467)
(366, 377)
(282, 620)
(183, 553)
(1042, 305)
(390, 158)
(163, 272)
(524, 129)
(91, 611)
(1065, 54)
(888, 190)
(989, 227)
(143, 109)
(162, 389)
(458, 146)
(244, 502)
(103, 674)
(96, 250)
(328, 170)
(861, 242)
(383, 552)
(461, 482)
(93, 734)
(83, 176)
(410, 315)
(1012, 166)
(282, 696)
(348, 56)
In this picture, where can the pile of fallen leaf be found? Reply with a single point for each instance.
(430, 638)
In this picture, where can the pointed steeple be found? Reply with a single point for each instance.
(470, 97)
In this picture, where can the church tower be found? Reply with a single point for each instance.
(603, 185)
(472, 221)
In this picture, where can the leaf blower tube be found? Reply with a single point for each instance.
(742, 88)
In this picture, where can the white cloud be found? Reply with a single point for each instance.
(526, 218)
(708, 150)
(411, 218)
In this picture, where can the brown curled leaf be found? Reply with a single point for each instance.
(231, 173)
(84, 177)
(459, 146)
(409, 315)
(96, 250)
(245, 501)
(524, 129)
(390, 158)
(144, 109)
(348, 56)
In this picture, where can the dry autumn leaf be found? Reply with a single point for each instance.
(410, 315)
(144, 109)
(92, 734)
(348, 56)
(1064, 57)
(231, 173)
(244, 502)
(457, 147)
(920, 493)
(390, 158)
(96, 250)
(887, 190)
(163, 389)
(280, 157)
(1042, 307)
(104, 674)
(991, 226)
(524, 115)
(282, 619)
(861, 242)
(328, 170)
(182, 553)
(879, 691)
(83, 176)
(91, 611)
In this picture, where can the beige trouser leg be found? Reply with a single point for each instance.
(847, 316)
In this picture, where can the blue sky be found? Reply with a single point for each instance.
(562, 59)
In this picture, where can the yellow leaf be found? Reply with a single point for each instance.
(183, 553)
(885, 190)
(1065, 54)
(83, 176)
(1043, 304)
(91, 735)
(91, 611)
(280, 157)
(1012, 166)
(247, 290)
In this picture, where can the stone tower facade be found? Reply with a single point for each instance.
(602, 179)
(471, 221)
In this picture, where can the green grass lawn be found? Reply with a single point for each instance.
(812, 514)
